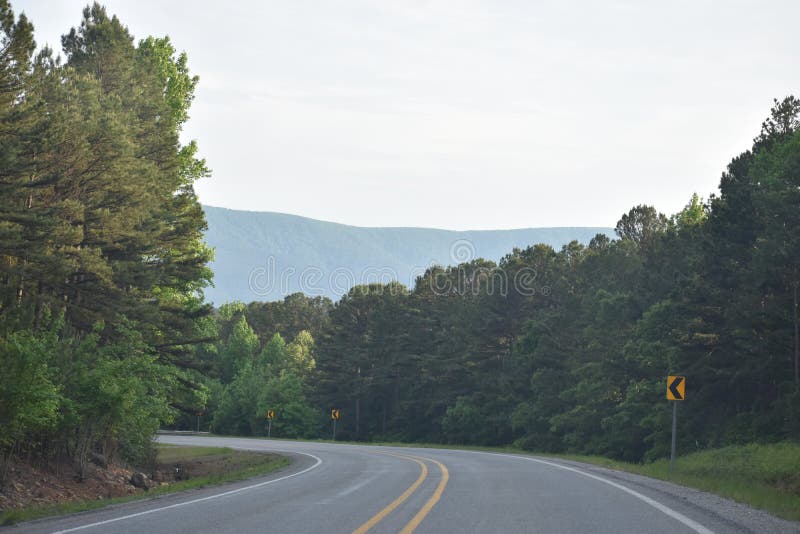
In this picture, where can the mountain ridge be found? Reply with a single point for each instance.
(346, 225)
(268, 255)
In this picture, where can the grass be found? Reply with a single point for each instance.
(763, 476)
(175, 453)
(230, 466)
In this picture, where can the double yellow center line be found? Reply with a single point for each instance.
(423, 512)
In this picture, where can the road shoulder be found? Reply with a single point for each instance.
(737, 517)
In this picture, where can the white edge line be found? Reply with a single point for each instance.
(692, 524)
(193, 501)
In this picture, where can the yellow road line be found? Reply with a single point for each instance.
(374, 520)
(414, 523)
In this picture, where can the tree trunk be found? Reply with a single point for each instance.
(358, 402)
(358, 415)
(28, 205)
(796, 333)
(21, 286)
(396, 404)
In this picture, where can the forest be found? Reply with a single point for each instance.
(102, 259)
(551, 350)
(105, 336)
(556, 351)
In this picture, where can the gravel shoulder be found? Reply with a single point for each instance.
(732, 516)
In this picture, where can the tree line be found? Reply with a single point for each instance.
(102, 259)
(561, 350)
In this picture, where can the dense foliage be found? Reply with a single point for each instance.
(569, 350)
(101, 254)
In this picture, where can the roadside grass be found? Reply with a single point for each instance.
(168, 453)
(235, 465)
(764, 476)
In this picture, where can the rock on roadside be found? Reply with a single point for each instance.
(140, 480)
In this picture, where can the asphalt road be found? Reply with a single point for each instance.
(335, 488)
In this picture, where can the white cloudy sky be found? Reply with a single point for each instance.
(471, 114)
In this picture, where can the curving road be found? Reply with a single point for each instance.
(335, 488)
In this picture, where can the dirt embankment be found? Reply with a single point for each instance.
(29, 486)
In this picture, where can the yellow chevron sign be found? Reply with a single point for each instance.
(676, 388)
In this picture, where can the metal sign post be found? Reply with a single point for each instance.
(676, 391)
(270, 417)
(335, 416)
(674, 428)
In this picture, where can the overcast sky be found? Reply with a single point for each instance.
(470, 114)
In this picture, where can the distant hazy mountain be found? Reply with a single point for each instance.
(266, 255)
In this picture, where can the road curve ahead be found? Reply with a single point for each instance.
(338, 488)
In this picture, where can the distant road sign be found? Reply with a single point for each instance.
(676, 388)
(335, 414)
(270, 414)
